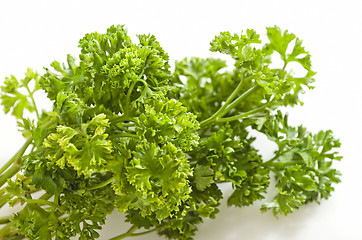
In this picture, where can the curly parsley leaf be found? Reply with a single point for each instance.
(300, 164)
(126, 134)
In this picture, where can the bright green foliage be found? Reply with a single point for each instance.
(279, 42)
(168, 121)
(203, 177)
(256, 182)
(87, 149)
(157, 181)
(85, 213)
(126, 134)
(302, 164)
(12, 97)
(230, 101)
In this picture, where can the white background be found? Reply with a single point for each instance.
(34, 33)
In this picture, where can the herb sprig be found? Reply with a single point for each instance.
(126, 133)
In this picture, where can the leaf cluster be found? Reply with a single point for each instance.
(125, 133)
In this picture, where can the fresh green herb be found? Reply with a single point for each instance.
(126, 133)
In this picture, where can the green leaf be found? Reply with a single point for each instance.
(233, 44)
(159, 180)
(128, 134)
(203, 177)
(13, 97)
(302, 163)
(279, 41)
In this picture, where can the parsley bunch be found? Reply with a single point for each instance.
(126, 133)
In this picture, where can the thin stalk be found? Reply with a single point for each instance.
(277, 155)
(285, 64)
(16, 237)
(125, 129)
(121, 135)
(125, 126)
(45, 196)
(9, 173)
(128, 96)
(2, 191)
(4, 199)
(17, 156)
(242, 115)
(102, 184)
(225, 105)
(239, 99)
(7, 164)
(128, 124)
(271, 161)
(16, 159)
(120, 120)
(126, 234)
(41, 202)
(35, 207)
(278, 164)
(33, 101)
(130, 233)
(274, 158)
(144, 233)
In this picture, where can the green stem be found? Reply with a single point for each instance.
(128, 124)
(5, 232)
(134, 83)
(17, 156)
(7, 165)
(9, 173)
(16, 159)
(285, 64)
(2, 191)
(50, 122)
(4, 220)
(126, 234)
(271, 163)
(130, 233)
(4, 199)
(120, 120)
(102, 184)
(242, 115)
(15, 237)
(33, 101)
(278, 164)
(44, 213)
(277, 155)
(45, 196)
(41, 202)
(222, 108)
(128, 97)
(121, 135)
(144, 233)
(239, 99)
